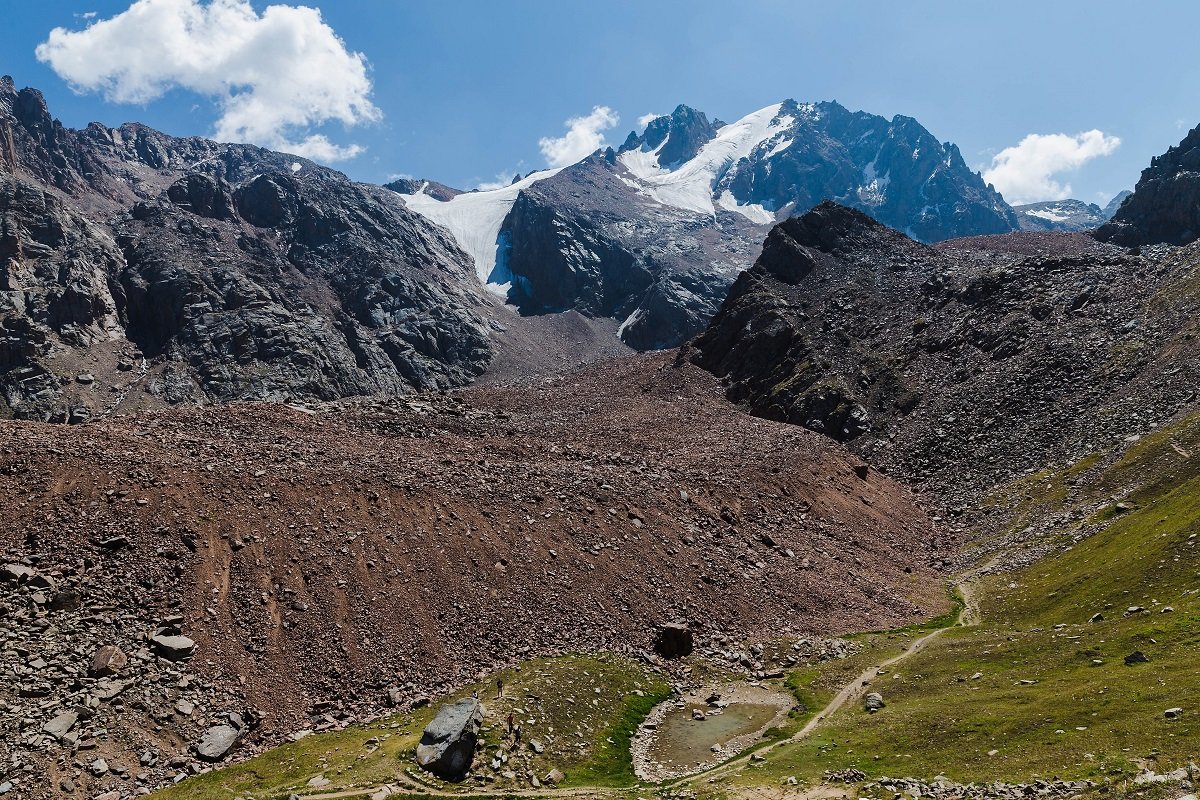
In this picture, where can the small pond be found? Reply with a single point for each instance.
(683, 743)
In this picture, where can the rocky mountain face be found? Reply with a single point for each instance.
(1110, 210)
(676, 138)
(1165, 204)
(1071, 216)
(582, 240)
(960, 365)
(653, 234)
(134, 265)
(894, 170)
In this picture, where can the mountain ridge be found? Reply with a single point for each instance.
(654, 232)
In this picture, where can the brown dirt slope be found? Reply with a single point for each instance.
(319, 557)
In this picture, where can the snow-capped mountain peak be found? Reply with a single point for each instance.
(693, 184)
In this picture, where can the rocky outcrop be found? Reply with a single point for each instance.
(57, 272)
(915, 354)
(1165, 205)
(182, 270)
(677, 137)
(583, 240)
(447, 745)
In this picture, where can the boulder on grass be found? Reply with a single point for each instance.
(447, 746)
(217, 741)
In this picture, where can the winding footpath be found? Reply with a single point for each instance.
(408, 785)
(969, 615)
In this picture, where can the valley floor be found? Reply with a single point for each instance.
(1072, 676)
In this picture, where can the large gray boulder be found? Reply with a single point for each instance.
(447, 746)
(217, 741)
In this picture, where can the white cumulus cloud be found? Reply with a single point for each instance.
(584, 135)
(646, 119)
(1026, 172)
(273, 76)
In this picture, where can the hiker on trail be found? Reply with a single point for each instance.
(499, 688)
(516, 735)
(510, 724)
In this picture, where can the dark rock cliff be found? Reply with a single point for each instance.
(964, 363)
(134, 264)
(1165, 205)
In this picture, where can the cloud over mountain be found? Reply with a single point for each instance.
(1025, 172)
(584, 135)
(274, 76)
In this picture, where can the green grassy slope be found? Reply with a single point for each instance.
(1054, 696)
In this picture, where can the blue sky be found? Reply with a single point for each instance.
(463, 91)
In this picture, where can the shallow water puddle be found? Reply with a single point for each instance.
(682, 742)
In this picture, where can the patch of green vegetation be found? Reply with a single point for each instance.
(610, 763)
(1036, 689)
(359, 756)
(582, 710)
(811, 696)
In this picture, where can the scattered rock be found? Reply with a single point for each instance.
(1136, 657)
(173, 647)
(873, 702)
(15, 573)
(109, 660)
(61, 725)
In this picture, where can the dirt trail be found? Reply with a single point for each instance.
(968, 616)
